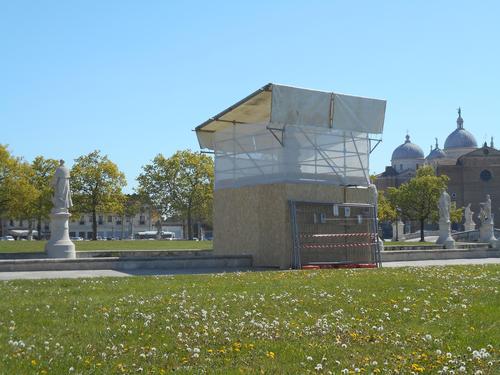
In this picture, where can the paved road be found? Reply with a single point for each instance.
(112, 273)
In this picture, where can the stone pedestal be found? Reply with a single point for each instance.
(398, 231)
(445, 234)
(486, 232)
(469, 226)
(59, 245)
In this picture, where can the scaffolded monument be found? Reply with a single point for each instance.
(292, 164)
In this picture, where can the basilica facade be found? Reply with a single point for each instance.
(474, 171)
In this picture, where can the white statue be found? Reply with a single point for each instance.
(62, 193)
(444, 205)
(60, 245)
(469, 221)
(485, 214)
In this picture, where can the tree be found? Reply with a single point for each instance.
(7, 170)
(386, 210)
(181, 185)
(418, 198)
(22, 194)
(97, 185)
(43, 171)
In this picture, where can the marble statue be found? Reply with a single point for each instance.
(62, 193)
(486, 230)
(60, 245)
(485, 213)
(469, 222)
(444, 206)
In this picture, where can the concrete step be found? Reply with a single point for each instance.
(409, 255)
(128, 263)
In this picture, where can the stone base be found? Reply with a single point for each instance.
(398, 231)
(486, 233)
(469, 227)
(449, 244)
(59, 245)
(444, 232)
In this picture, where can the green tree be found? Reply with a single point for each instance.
(418, 198)
(7, 170)
(97, 185)
(43, 171)
(181, 185)
(22, 194)
(386, 210)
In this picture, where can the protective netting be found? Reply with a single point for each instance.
(252, 154)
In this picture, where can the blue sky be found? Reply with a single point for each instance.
(133, 78)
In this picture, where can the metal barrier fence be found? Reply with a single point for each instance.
(330, 234)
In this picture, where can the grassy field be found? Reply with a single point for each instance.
(34, 246)
(390, 321)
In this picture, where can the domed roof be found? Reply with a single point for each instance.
(460, 138)
(408, 150)
(436, 153)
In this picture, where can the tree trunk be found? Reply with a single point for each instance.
(422, 237)
(39, 227)
(30, 230)
(94, 225)
(189, 223)
(158, 228)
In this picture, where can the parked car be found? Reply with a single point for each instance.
(76, 238)
(7, 238)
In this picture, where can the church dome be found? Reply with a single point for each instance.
(460, 138)
(408, 150)
(436, 153)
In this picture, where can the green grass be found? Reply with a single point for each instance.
(35, 246)
(295, 322)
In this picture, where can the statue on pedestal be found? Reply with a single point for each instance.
(485, 213)
(60, 245)
(486, 229)
(469, 222)
(444, 205)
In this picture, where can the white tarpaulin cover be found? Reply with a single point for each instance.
(287, 134)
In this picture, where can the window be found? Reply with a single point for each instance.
(11, 222)
(21, 223)
(142, 220)
(118, 220)
(110, 219)
(82, 221)
(100, 220)
(128, 219)
(400, 167)
(485, 175)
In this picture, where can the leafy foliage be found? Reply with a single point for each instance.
(418, 198)
(97, 185)
(181, 185)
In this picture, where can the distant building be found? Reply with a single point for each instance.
(473, 171)
(109, 226)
